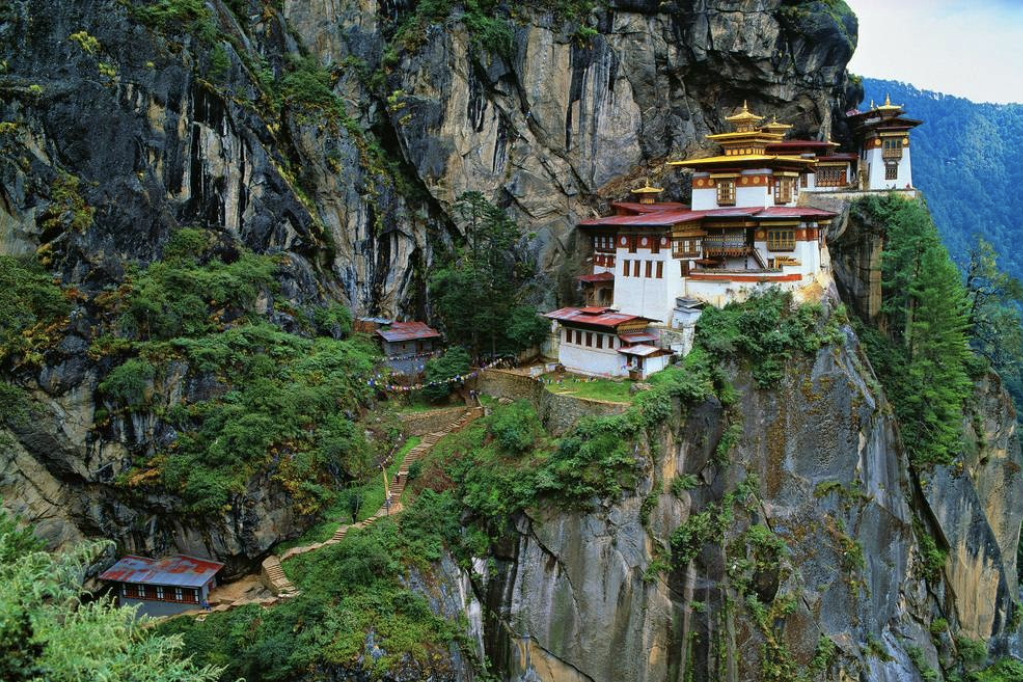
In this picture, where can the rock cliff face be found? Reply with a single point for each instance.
(585, 597)
(309, 129)
(192, 119)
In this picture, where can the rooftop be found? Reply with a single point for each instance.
(599, 277)
(407, 331)
(596, 317)
(175, 571)
(668, 218)
(649, 208)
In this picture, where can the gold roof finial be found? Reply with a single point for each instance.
(887, 99)
(872, 107)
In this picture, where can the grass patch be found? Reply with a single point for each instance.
(590, 388)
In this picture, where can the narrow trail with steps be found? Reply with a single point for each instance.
(272, 575)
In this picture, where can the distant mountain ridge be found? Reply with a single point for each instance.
(966, 158)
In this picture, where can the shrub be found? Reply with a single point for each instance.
(516, 428)
(67, 209)
(129, 383)
(30, 303)
(764, 330)
(442, 370)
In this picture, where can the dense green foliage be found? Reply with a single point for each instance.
(354, 611)
(30, 307)
(923, 357)
(48, 633)
(454, 362)
(282, 403)
(765, 330)
(475, 291)
(965, 158)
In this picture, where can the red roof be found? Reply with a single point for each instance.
(176, 571)
(594, 317)
(668, 218)
(637, 337)
(599, 277)
(838, 157)
(800, 144)
(407, 331)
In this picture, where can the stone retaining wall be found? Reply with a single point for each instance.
(558, 413)
(422, 423)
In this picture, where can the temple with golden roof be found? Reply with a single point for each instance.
(746, 229)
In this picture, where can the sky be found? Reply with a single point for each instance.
(969, 48)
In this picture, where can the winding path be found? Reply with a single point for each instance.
(272, 576)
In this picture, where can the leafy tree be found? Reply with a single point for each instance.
(474, 294)
(48, 632)
(526, 328)
(453, 363)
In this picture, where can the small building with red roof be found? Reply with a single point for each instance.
(408, 345)
(162, 587)
(595, 340)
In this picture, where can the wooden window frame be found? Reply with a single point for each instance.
(625, 268)
(632, 244)
(783, 193)
(660, 269)
(600, 341)
(891, 171)
(725, 192)
(635, 268)
(649, 269)
(589, 339)
(781, 239)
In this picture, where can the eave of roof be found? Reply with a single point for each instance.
(751, 158)
(407, 331)
(177, 571)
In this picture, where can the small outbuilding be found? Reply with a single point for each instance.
(162, 587)
(408, 345)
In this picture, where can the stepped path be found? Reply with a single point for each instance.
(272, 576)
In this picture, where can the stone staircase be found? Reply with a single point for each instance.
(272, 573)
(273, 577)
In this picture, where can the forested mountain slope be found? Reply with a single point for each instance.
(966, 159)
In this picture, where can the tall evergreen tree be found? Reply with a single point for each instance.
(475, 294)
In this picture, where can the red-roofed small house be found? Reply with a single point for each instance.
(408, 345)
(162, 587)
(591, 340)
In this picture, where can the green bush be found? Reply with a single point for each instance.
(128, 383)
(972, 651)
(441, 370)
(29, 303)
(516, 428)
(765, 331)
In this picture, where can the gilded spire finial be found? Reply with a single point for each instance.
(745, 105)
(887, 99)
(872, 104)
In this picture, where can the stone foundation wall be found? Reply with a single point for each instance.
(421, 423)
(558, 413)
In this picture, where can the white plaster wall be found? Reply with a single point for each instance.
(647, 296)
(704, 199)
(877, 175)
(746, 197)
(591, 361)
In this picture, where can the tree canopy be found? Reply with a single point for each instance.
(477, 292)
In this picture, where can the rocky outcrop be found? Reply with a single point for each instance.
(590, 595)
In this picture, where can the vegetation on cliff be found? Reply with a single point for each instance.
(921, 353)
(477, 292)
(50, 630)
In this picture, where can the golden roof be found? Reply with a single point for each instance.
(752, 136)
(714, 160)
(775, 126)
(647, 189)
(887, 106)
(744, 116)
